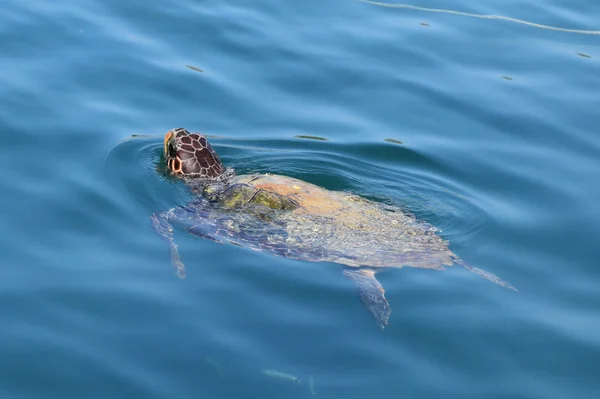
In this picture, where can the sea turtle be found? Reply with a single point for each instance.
(298, 220)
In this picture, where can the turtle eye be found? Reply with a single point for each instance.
(172, 151)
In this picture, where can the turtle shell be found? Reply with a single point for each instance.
(303, 221)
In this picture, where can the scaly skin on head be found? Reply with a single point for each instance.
(191, 155)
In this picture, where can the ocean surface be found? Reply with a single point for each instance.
(485, 127)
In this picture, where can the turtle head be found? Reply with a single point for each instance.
(190, 154)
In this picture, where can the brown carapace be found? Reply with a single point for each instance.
(190, 154)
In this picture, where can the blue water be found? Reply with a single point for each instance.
(499, 128)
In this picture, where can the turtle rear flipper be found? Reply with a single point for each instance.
(486, 275)
(371, 294)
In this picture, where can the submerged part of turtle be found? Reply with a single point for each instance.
(294, 219)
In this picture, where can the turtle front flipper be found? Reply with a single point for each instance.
(163, 227)
(371, 294)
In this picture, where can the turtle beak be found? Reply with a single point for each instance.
(168, 137)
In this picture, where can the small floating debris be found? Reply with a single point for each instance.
(280, 375)
(215, 365)
(507, 77)
(424, 24)
(584, 55)
(193, 68)
(394, 141)
(301, 136)
(311, 386)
